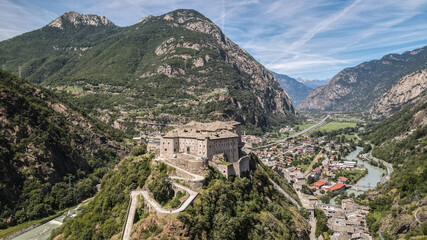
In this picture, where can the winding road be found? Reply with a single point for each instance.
(127, 230)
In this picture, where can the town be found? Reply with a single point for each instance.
(316, 166)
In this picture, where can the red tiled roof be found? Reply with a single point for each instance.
(337, 186)
(320, 183)
(342, 179)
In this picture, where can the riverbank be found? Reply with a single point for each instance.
(12, 232)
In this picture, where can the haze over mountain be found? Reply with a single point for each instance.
(297, 91)
(174, 67)
(313, 83)
(358, 88)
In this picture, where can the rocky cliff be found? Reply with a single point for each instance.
(406, 91)
(77, 19)
(357, 88)
(176, 67)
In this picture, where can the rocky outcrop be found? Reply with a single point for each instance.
(170, 64)
(78, 19)
(407, 90)
(358, 88)
(260, 80)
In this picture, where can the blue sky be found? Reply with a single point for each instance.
(301, 38)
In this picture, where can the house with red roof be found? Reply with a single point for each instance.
(320, 183)
(337, 187)
(343, 180)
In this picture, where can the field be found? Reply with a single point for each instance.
(304, 126)
(336, 125)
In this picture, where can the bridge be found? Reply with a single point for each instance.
(359, 187)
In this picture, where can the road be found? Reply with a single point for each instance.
(278, 188)
(313, 162)
(415, 215)
(312, 221)
(127, 231)
(294, 135)
(159, 209)
(388, 165)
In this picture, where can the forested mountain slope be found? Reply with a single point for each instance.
(176, 67)
(234, 208)
(46, 144)
(402, 141)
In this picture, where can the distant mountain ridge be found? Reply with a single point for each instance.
(297, 91)
(358, 88)
(313, 83)
(171, 68)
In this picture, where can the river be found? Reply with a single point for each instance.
(371, 179)
(43, 231)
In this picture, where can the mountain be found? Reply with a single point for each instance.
(358, 88)
(234, 208)
(396, 205)
(297, 91)
(408, 90)
(46, 146)
(313, 83)
(176, 67)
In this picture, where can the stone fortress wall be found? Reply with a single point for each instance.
(195, 145)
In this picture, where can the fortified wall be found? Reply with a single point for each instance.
(195, 145)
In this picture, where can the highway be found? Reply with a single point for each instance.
(294, 135)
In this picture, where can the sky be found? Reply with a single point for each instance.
(309, 39)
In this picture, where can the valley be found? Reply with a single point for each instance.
(166, 128)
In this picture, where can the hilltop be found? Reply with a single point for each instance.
(170, 68)
(235, 208)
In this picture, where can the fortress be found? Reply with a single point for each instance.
(201, 144)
